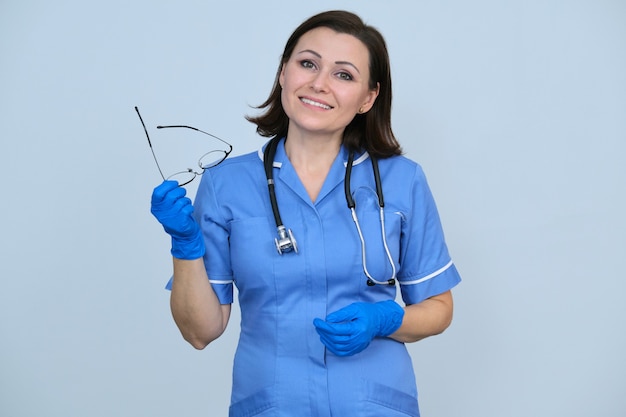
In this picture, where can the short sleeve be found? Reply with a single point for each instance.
(215, 232)
(426, 268)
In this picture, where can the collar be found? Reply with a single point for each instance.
(281, 155)
(288, 176)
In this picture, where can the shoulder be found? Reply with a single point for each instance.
(401, 166)
(235, 173)
(250, 158)
(238, 166)
(405, 183)
(238, 182)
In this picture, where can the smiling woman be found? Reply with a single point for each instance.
(323, 88)
(317, 329)
(370, 130)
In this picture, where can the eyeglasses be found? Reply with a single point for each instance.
(206, 161)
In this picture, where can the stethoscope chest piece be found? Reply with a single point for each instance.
(285, 242)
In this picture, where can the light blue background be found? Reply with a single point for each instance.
(515, 109)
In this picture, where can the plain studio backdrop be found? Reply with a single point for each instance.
(515, 109)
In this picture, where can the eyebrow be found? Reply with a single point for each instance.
(336, 62)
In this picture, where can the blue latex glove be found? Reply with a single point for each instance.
(174, 211)
(351, 329)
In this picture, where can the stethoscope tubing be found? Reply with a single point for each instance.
(268, 161)
(286, 241)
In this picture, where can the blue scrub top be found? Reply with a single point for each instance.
(281, 367)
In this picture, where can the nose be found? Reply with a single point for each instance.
(320, 82)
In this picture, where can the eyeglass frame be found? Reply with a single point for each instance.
(189, 170)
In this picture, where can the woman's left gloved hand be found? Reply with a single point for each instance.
(351, 329)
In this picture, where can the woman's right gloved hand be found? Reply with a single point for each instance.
(175, 212)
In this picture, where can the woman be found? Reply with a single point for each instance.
(318, 336)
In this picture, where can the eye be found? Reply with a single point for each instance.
(346, 76)
(305, 63)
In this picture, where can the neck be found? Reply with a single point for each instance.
(312, 158)
(310, 152)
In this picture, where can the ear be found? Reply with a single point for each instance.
(370, 99)
(281, 76)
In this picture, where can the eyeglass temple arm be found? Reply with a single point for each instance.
(150, 144)
(199, 130)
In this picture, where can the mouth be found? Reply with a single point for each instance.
(315, 103)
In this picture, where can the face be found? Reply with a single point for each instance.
(325, 83)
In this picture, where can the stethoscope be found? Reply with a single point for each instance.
(286, 242)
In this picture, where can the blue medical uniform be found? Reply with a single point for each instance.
(281, 367)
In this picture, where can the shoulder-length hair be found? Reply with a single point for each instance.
(370, 131)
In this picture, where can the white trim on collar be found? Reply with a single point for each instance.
(360, 159)
(278, 164)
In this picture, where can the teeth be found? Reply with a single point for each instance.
(315, 103)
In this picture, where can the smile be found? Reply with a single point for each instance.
(315, 103)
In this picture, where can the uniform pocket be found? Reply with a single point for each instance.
(261, 403)
(384, 401)
(251, 245)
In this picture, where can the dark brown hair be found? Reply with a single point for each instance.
(370, 131)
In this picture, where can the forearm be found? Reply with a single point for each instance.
(196, 309)
(428, 318)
